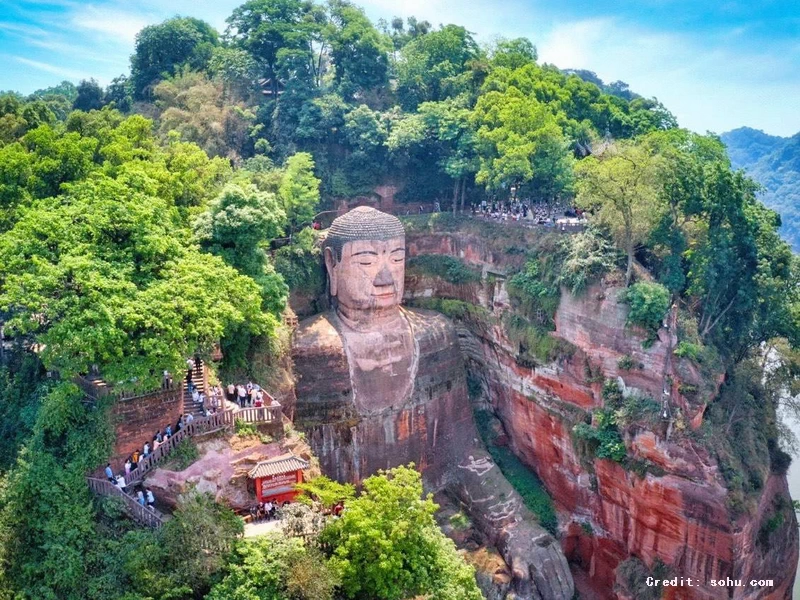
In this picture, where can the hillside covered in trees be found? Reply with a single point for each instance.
(146, 221)
(774, 162)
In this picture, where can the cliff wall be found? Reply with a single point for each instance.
(673, 507)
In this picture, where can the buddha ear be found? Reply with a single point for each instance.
(330, 264)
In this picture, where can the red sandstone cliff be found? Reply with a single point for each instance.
(677, 513)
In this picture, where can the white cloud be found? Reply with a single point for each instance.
(110, 22)
(54, 69)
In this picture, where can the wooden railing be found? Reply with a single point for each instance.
(144, 515)
(198, 426)
(94, 389)
(262, 414)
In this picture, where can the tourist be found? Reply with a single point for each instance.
(179, 424)
(110, 473)
(151, 500)
(156, 444)
(168, 431)
(195, 395)
(189, 418)
(128, 467)
(159, 437)
(140, 497)
(253, 396)
(231, 393)
(242, 394)
(268, 509)
(146, 450)
(135, 459)
(121, 485)
(259, 402)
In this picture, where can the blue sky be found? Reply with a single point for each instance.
(716, 64)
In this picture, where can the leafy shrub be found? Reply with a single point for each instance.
(633, 574)
(535, 290)
(455, 309)
(245, 429)
(604, 439)
(589, 256)
(535, 341)
(460, 521)
(626, 363)
(649, 303)
(449, 268)
(688, 350)
(182, 456)
(300, 263)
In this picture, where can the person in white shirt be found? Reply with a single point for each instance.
(189, 418)
(151, 500)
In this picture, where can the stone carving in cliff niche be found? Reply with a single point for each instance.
(379, 385)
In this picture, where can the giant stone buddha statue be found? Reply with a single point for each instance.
(380, 385)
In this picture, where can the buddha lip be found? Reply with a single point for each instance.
(386, 295)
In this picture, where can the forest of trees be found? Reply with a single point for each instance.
(152, 218)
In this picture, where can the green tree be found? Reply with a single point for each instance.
(276, 33)
(649, 303)
(620, 188)
(359, 53)
(432, 67)
(164, 49)
(238, 226)
(520, 142)
(299, 191)
(386, 545)
(273, 567)
(90, 96)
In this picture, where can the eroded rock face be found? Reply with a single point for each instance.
(379, 386)
(678, 513)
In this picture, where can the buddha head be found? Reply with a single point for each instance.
(365, 257)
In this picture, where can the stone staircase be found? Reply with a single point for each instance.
(199, 382)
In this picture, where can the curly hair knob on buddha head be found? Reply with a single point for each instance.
(362, 223)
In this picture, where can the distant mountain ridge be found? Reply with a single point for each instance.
(774, 162)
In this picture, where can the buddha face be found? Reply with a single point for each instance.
(369, 275)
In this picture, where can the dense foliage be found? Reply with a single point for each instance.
(170, 211)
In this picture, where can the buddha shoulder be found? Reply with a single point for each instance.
(316, 335)
(430, 327)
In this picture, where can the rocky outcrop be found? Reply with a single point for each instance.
(221, 470)
(675, 511)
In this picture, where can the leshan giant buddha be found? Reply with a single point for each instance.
(379, 385)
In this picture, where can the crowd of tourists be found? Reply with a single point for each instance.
(538, 213)
(144, 495)
(248, 395)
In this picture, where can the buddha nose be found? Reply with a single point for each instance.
(383, 278)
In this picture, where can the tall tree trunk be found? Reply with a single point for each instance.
(463, 189)
(455, 196)
(629, 270)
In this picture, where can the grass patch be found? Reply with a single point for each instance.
(182, 456)
(448, 268)
(455, 309)
(524, 481)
